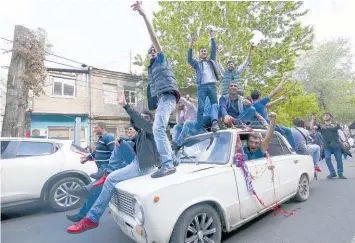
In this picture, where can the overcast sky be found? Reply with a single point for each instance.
(101, 33)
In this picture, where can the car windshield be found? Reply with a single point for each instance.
(212, 148)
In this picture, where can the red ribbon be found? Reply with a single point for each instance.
(240, 158)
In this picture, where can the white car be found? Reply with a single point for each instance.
(208, 193)
(35, 171)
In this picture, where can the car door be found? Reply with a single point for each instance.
(262, 184)
(31, 164)
(285, 166)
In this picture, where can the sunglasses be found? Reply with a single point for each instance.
(152, 50)
(233, 86)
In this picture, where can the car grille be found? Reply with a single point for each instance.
(123, 201)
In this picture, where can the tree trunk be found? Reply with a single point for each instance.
(17, 92)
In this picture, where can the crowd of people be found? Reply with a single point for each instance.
(149, 147)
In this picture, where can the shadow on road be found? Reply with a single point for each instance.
(26, 212)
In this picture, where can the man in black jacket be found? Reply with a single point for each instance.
(145, 148)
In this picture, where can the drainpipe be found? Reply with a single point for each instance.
(90, 116)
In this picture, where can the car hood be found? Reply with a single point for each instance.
(144, 185)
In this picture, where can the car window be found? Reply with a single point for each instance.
(6, 149)
(4, 145)
(209, 148)
(34, 149)
(277, 146)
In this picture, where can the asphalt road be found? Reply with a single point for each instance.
(327, 217)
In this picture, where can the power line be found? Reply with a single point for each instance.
(60, 63)
(50, 53)
(6, 39)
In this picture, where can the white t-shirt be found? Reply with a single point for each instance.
(208, 75)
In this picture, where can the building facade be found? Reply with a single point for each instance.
(92, 97)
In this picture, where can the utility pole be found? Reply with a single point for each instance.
(17, 92)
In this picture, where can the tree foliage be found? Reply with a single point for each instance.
(284, 38)
(327, 72)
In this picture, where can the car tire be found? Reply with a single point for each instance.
(201, 216)
(303, 189)
(59, 200)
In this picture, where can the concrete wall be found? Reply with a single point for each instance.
(49, 103)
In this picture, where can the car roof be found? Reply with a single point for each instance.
(36, 140)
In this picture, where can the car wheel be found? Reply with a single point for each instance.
(303, 189)
(59, 199)
(200, 223)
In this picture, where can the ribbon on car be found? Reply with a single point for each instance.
(239, 160)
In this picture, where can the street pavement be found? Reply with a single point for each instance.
(328, 216)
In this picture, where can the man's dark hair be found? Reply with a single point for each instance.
(328, 113)
(102, 125)
(248, 98)
(298, 122)
(148, 113)
(254, 135)
(255, 94)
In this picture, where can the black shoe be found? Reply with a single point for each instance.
(97, 175)
(81, 192)
(331, 176)
(342, 177)
(214, 127)
(174, 146)
(163, 171)
(74, 218)
(175, 163)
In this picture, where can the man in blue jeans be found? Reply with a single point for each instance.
(162, 94)
(207, 74)
(236, 109)
(333, 140)
(146, 149)
(261, 105)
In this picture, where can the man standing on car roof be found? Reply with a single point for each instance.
(163, 94)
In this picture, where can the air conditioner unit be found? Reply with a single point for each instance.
(38, 132)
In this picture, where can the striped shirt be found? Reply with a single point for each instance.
(104, 147)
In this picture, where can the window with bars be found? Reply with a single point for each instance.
(130, 94)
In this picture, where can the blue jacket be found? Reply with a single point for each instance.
(104, 147)
(224, 103)
(161, 80)
(197, 65)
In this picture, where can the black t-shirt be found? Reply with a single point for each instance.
(330, 135)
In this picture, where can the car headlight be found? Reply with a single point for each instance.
(138, 211)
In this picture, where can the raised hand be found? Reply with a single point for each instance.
(121, 99)
(138, 7)
(272, 115)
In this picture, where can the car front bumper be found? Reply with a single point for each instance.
(128, 225)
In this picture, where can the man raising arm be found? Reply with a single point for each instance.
(163, 94)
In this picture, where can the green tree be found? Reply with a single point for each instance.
(284, 39)
(327, 72)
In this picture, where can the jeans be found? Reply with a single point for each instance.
(176, 131)
(246, 116)
(121, 156)
(166, 104)
(190, 128)
(205, 90)
(94, 194)
(285, 131)
(130, 171)
(314, 150)
(338, 157)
